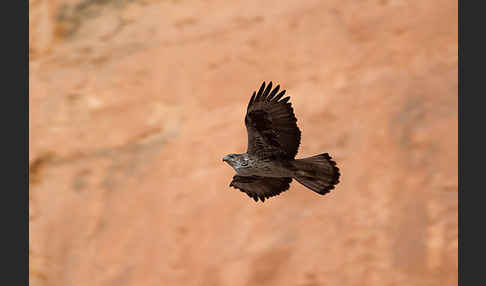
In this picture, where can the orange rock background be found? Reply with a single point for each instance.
(134, 103)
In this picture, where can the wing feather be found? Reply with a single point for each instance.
(260, 187)
(271, 125)
(273, 93)
(279, 96)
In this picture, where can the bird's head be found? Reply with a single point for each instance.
(236, 160)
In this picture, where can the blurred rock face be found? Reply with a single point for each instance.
(133, 104)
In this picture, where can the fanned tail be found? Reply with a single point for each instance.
(318, 173)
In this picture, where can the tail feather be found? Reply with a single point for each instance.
(318, 173)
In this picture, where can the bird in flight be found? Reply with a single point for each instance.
(269, 164)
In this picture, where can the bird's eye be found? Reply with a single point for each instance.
(244, 163)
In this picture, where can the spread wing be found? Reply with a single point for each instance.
(260, 187)
(271, 124)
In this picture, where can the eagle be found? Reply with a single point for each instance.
(269, 165)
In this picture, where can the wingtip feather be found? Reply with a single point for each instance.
(267, 90)
(285, 100)
(278, 96)
(273, 93)
(259, 93)
(252, 99)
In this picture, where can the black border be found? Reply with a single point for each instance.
(16, 135)
(471, 110)
(20, 43)
(15, 147)
(460, 277)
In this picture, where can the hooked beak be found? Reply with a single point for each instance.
(226, 158)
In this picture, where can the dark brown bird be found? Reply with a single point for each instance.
(269, 164)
